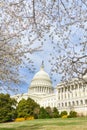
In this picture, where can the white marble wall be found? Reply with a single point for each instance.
(72, 96)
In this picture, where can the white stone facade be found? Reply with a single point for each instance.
(71, 96)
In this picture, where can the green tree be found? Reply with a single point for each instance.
(43, 113)
(32, 106)
(26, 108)
(63, 113)
(49, 111)
(7, 108)
(21, 108)
(55, 112)
(72, 114)
(36, 112)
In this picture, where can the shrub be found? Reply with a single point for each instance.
(72, 114)
(55, 113)
(19, 119)
(22, 119)
(49, 111)
(63, 113)
(65, 116)
(43, 113)
(30, 118)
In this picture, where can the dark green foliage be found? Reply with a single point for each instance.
(55, 112)
(36, 112)
(63, 113)
(49, 111)
(7, 108)
(21, 108)
(72, 114)
(43, 113)
(27, 108)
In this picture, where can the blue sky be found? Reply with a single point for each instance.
(59, 34)
(44, 55)
(37, 58)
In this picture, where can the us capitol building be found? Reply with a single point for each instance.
(65, 97)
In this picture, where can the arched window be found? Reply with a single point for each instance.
(66, 104)
(77, 103)
(81, 102)
(62, 104)
(73, 103)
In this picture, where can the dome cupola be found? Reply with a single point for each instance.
(41, 82)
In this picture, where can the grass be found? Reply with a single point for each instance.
(47, 124)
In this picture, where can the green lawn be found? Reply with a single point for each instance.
(47, 124)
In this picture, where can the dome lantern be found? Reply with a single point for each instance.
(42, 66)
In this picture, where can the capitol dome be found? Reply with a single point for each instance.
(41, 83)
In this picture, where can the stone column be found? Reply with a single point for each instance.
(60, 93)
(41, 89)
(64, 93)
(47, 90)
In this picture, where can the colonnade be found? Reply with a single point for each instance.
(78, 102)
(71, 91)
(74, 94)
(40, 89)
